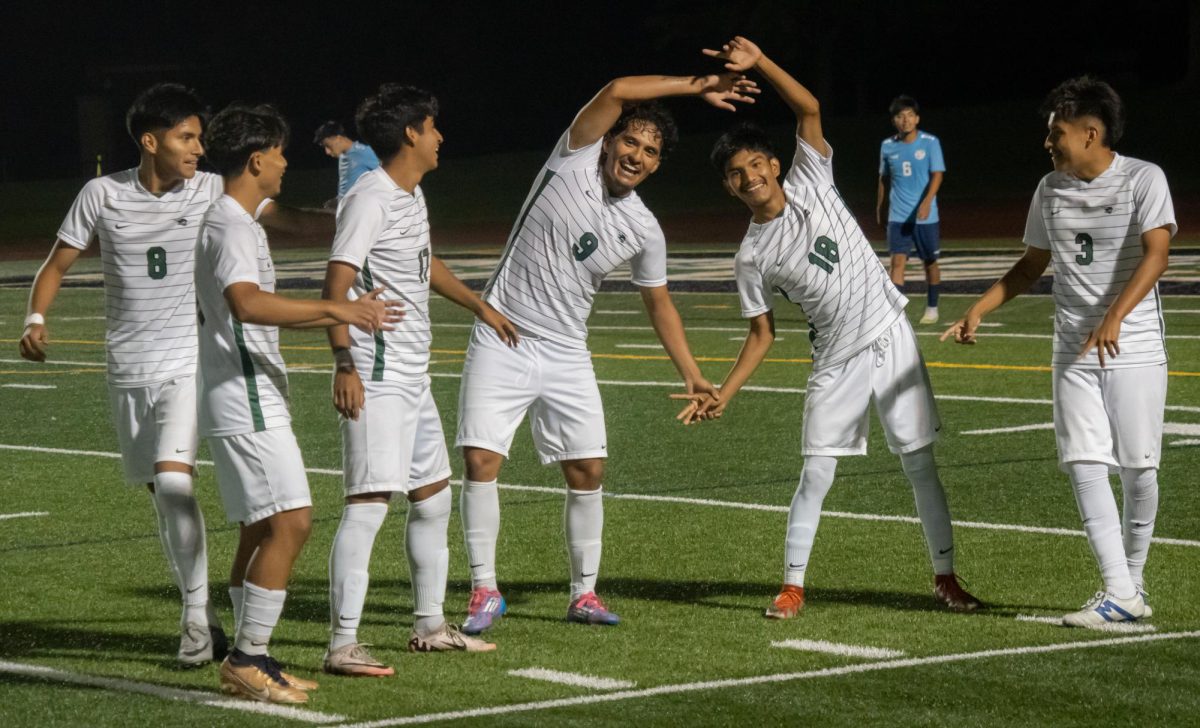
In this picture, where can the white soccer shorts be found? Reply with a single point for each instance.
(555, 384)
(891, 372)
(1110, 416)
(260, 474)
(397, 442)
(155, 423)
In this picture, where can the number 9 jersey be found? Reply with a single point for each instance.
(1094, 232)
(816, 256)
(147, 249)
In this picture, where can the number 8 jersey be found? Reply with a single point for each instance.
(1094, 233)
(147, 250)
(816, 256)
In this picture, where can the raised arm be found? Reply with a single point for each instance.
(1024, 273)
(45, 288)
(742, 55)
(597, 117)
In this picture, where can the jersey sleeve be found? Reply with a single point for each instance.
(360, 222)
(564, 158)
(233, 253)
(1036, 235)
(649, 266)
(809, 167)
(79, 225)
(1154, 206)
(937, 163)
(753, 292)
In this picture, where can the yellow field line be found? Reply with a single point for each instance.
(712, 359)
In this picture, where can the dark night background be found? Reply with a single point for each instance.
(510, 76)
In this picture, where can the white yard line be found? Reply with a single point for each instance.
(640, 346)
(692, 687)
(199, 697)
(1185, 442)
(1118, 627)
(1018, 428)
(736, 505)
(834, 648)
(26, 514)
(29, 386)
(573, 679)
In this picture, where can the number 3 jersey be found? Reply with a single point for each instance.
(1093, 231)
(815, 255)
(147, 250)
(570, 235)
(383, 231)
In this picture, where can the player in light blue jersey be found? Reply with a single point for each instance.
(910, 174)
(354, 158)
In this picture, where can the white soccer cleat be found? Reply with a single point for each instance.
(447, 639)
(200, 644)
(931, 315)
(1104, 608)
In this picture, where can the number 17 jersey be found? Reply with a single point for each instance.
(815, 255)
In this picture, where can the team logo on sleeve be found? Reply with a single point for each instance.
(919, 154)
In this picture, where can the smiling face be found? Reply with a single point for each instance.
(752, 176)
(1073, 144)
(426, 142)
(269, 167)
(630, 156)
(176, 151)
(905, 120)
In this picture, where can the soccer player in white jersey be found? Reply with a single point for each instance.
(243, 392)
(392, 440)
(580, 221)
(804, 243)
(1106, 222)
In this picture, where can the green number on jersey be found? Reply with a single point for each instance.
(585, 247)
(156, 263)
(1085, 255)
(826, 255)
(423, 266)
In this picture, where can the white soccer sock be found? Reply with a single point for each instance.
(237, 595)
(480, 506)
(349, 560)
(260, 613)
(1141, 507)
(816, 478)
(428, 558)
(1102, 524)
(182, 531)
(932, 509)
(583, 520)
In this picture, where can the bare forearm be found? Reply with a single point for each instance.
(294, 222)
(880, 199)
(644, 88)
(45, 288)
(799, 99)
(1147, 273)
(754, 350)
(931, 189)
(448, 286)
(269, 309)
(1016, 281)
(668, 326)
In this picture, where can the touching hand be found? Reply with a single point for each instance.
(33, 342)
(505, 329)
(708, 406)
(348, 394)
(722, 88)
(740, 53)
(372, 313)
(963, 329)
(1104, 339)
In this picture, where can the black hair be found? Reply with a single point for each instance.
(648, 112)
(1088, 96)
(902, 102)
(328, 129)
(744, 136)
(383, 118)
(162, 106)
(239, 131)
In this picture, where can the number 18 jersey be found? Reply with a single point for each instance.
(816, 256)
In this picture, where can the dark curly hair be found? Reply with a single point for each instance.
(381, 119)
(744, 136)
(1088, 96)
(646, 113)
(239, 131)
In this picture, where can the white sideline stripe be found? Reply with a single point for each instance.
(212, 700)
(833, 648)
(26, 514)
(682, 500)
(55, 363)
(1119, 627)
(571, 678)
(613, 312)
(1019, 428)
(29, 386)
(769, 679)
(1185, 442)
(639, 346)
(1181, 310)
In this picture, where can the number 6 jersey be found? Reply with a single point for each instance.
(1094, 233)
(147, 249)
(816, 256)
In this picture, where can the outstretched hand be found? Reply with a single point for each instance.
(722, 88)
(740, 53)
(372, 313)
(700, 407)
(963, 330)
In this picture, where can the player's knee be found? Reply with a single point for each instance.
(426, 492)
(583, 474)
(918, 461)
(173, 484)
(1139, 482)
(293, 527)
(482, 465)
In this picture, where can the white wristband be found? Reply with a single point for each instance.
(35, 319)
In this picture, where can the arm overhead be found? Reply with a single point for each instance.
(743, 55)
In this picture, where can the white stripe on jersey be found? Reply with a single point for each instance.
(816, 255)
(242, 380)
(383, 231)
(147, 248)
(571, 234)
(1094, 233)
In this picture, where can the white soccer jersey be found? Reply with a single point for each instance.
(384, 232)
(815, 254)
(570, 235)
(147, 248)
(1094, 233)
(242, 380)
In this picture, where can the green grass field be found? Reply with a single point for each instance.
(689, 563)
